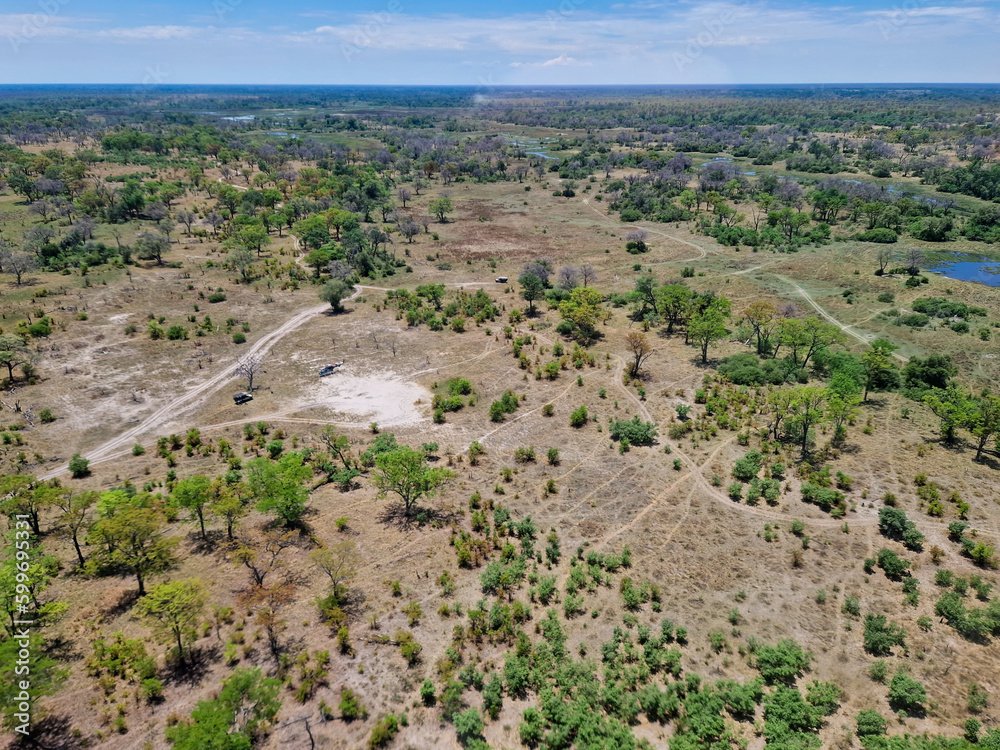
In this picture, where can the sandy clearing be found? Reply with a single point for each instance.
(379, 397)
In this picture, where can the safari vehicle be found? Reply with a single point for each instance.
(330, 369)
(242, 398)
(501, 279)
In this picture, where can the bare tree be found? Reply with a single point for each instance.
(409, 229)
(249, 368)
(41, 208)
(588, 274)
(425, 222)
(637, 235)
(339, 269)
(884, 257)
(404, 194)
(187, 218)
(789, 310)
(215, 221)
(521, 171)
(914, 259)
(260, 552)
(568, 277)
(16, 262)
(640, 350)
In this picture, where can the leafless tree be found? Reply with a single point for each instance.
(640, 350)
(85, 227)
(914, 259)
(116, 232)
(409, 229)
(339, 269)
(884, 257)
(215, 221)
(393, 344)
(16, 262)
(588, 274)
(521, 171)
(374, 338)
(41, 208)
(568, 277)
(187, 218)
(789, 310)
(249, 367)
(404, 194)
(637, 235)
(425, 222)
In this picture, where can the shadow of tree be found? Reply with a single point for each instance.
(395, 516)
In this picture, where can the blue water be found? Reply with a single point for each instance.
(969, 267)
(539, 153)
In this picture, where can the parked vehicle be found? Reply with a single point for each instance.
(330, 369)
(242, 398)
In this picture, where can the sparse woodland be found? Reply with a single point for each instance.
(644, 420)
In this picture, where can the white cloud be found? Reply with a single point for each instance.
(565, 60)
(160, 33)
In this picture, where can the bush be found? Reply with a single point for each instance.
(217, 297)
(79, 467)
(880, 636)
(906, 694)
(579, 417)
(383, 732)
(888, 298)
(351, 707)
(871, 723)
(781, 662)
(634, 430)
(239, 338)
(748, 467)
(881, 235)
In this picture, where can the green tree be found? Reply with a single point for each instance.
(193, 494)
(806, 412)
(277, 486)
(236, 720)
(877, 363)
(46, 677)
(318, 259)
(706, 327)
(406, 473)
(673, 301)
(132, 541)
(583, 309)
(983, 421)
(14, 352)
(312, 232)
(173, 610)
(532, 288)
(334, 292)
(441, 207)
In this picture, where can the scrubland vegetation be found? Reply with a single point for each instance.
(654, 427)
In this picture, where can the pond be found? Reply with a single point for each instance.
(968, 267)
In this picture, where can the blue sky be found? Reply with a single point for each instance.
(505, 42)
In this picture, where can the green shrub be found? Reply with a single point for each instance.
(579, 417)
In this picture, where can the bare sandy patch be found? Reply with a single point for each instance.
(376, 397)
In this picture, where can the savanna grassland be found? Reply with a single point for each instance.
(654, 426)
